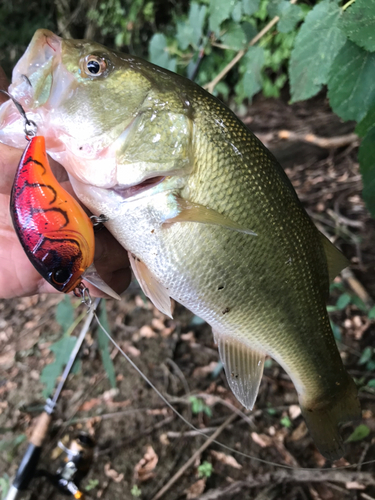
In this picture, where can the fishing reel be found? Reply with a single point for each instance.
(76, 463)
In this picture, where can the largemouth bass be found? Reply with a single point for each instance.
(207, 214)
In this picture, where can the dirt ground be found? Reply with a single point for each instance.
(140, 443)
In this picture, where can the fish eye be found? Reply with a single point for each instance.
(60, 276)
(94, 65)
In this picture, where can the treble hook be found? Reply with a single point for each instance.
(31, 127)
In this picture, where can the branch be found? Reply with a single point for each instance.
(210, 86)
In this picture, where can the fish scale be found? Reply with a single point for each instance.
(207, 214)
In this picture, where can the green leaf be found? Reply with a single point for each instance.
(366, 356)
(290, 15)
(343, 301)
(159, 54)
(360, 432)
(234, 37)
(220, 10)
(196, 321)
(251, 66)
(316, 45)
(351, 82)
(205, 469)
(237, 12)
(103, 342)
(190, 31)
(65, 313)
(250, 6)
(336, 331)
(62, 350)
(371, 383)
(371, 314)
(367, 123)
(285, 421)
(358, 22)
(357, 301)
(366, 156)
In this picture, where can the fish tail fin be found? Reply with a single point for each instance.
(323, 420)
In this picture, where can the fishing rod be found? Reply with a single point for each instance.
(79, 452)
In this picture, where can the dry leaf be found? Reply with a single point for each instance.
(147, 332)
(294, 411)
(261, 439)
(143, 469)
(196, 489)
(130, 349)
(164, 439)
(299, 433)
(157, 323)
(203, 371)
(188, 337)
(112, 474)
(353, 485)
(226, 459)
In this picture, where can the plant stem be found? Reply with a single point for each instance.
(210, 86)
(348, 4)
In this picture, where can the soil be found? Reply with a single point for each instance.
(140, 442)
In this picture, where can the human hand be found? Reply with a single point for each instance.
(18, 276)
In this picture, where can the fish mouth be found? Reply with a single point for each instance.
(137, 189)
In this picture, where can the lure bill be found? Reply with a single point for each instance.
(54, 230)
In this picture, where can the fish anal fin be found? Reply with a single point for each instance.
(193, 212)
(155, 291)
(243, 368)
(323, 419)
(336, 261)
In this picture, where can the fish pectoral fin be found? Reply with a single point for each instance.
(193, 212)
(336, 261)
(92, 276)
(156, 292)
(243, 368)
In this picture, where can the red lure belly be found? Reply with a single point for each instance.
(54, 230)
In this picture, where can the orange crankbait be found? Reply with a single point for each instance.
(54, 230)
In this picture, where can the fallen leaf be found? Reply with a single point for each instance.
(196, 489)
(164, 439)
(147, 332)
(226, 459)
(203, 371)
(112, 474)
(144, 468)
(157, 323)
(299, 433)
(130, 349)
(294, 411)
(261, 439)
(354, 485)
(188, 337)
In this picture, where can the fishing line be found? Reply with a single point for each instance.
(222, 445)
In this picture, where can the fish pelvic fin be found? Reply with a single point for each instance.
(193, 212)
(336, 261)
(154, 290)
(243, 368)
(323, 420)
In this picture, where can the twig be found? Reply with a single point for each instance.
(206, 430)
(210, 86)
(194, 457)
(284, 476)
(366, 497)
(322, 142)
(357, 287)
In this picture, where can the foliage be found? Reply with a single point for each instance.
(104, 345)
(4, 485)
(136, 491)
(359, 433)
(205, 469)
(199, 406)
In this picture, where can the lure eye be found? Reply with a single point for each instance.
(60, 276)
(94, 65)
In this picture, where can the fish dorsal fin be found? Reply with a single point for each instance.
(156, 292)
(336, 261)
(193, 212)
(243, 368)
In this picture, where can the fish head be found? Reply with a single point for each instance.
(84, 99)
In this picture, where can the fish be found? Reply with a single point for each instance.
(54, 230)
(208, 216)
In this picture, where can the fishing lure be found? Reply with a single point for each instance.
(54, 230)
